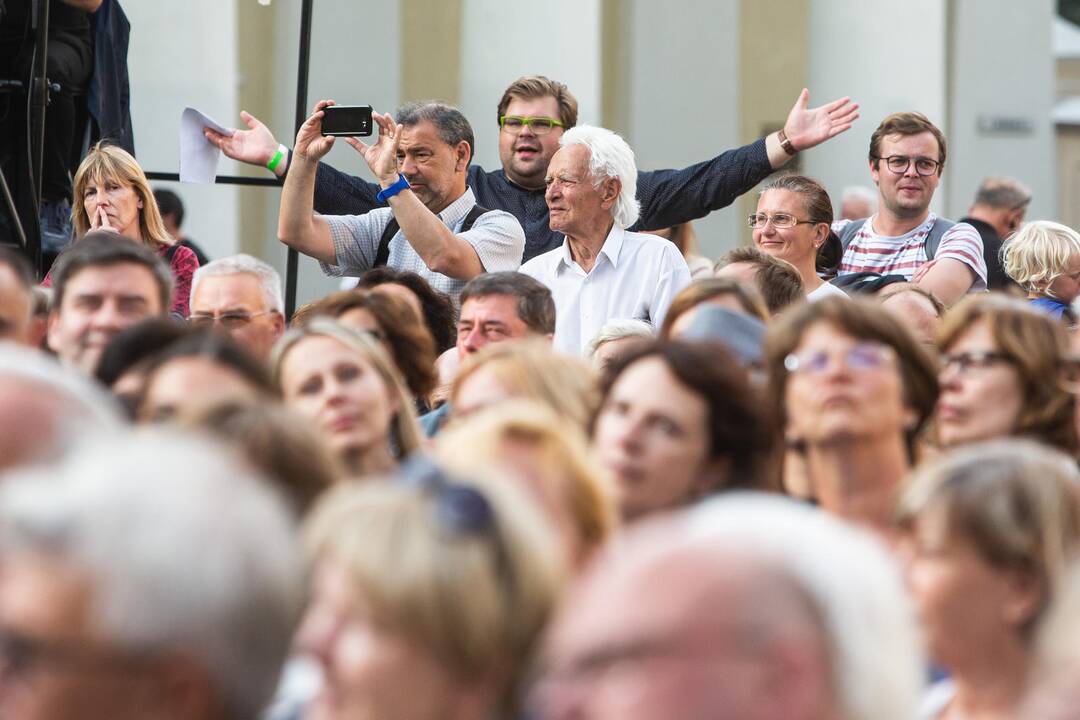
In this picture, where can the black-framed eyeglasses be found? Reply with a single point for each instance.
(899, 164)
(230, 321)
(779, 220)
(966, 361)
(513, 124)
(460, 510)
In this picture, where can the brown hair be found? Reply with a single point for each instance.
(537, 86)
(405, 333)
(894, 289)
(906, 123)
(109, 162)
(1036, 345)
(740, 428)
(818, 207)
(1016, 501)
(780, 283)
(701, 291)
(863, 320)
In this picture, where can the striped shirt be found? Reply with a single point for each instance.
(496, 236)
(904, 255)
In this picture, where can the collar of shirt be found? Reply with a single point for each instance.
(611, 248)
(453, 214)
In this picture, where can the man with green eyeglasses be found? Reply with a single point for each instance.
(533, 114)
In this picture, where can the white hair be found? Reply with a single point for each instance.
(186, 550)
(852, 582)
(609, 157)
(619, 329)
(268, 277)
(861, 193)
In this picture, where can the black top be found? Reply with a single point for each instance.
(996, 279)
(63, 18)
(668, 197)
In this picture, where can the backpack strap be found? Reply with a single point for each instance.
(382, 255)
(933, 240)
(849, 232)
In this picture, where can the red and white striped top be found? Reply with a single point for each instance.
(904, 255)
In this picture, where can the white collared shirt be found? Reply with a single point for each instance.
(635, 277)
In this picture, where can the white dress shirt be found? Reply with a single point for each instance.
(635, 277)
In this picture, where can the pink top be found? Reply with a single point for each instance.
(183, 266)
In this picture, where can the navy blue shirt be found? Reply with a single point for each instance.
(668, 197)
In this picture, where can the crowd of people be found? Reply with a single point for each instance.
(839, 463)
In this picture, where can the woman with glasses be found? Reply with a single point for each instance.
(112, 192)
(394, 323)
(429, 594)
(345, 384)
(679, 422)
(1044, 258)
(851, 389)
(1006, 370)
(793, 222)
(987, 534)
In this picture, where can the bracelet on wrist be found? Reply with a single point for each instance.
(785, 143)
(389, 192)
(281, 153)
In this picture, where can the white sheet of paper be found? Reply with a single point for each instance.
(198, 157)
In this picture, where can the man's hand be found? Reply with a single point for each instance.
(381, 156)
(310, 142)
(806, 127)
(255, 146)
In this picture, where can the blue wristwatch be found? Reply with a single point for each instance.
(387, 193)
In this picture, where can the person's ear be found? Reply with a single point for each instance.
(1026, 598)
(609, 191)
(462, 153)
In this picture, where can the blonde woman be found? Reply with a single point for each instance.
(345, 384)
(987, 533)
(429, 594)
(528, 440)
(526, 369)
(1044, 258)
(112, 193)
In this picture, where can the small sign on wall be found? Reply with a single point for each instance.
(1005, 125)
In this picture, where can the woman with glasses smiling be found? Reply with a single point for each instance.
(793, 222)
(1006, 370)
(852, 389)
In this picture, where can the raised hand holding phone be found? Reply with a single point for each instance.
(381, 156)
(311, 144)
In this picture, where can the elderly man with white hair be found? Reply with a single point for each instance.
(148, 576)
(242, 295)
(748, 607)
(601, 272)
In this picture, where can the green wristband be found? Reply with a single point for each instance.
(281, 152)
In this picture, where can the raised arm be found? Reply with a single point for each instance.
(336, 193)
(298, 225)
(670, 197)
(440, 249)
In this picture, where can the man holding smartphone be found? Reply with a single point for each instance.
(433, 225)
(533, 114)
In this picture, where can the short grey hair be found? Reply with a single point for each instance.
(609, 157)
(619, 329)
(861, 193)
(187, 552)
(452, 125)
(1003, 192)
(851, 581)
(268, 277)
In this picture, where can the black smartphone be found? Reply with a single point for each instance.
(346, 120)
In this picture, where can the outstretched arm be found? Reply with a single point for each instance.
(336, 193)
(670, 197)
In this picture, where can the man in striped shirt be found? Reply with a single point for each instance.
(907, 156)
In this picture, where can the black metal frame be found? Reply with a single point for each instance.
(302, 71)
